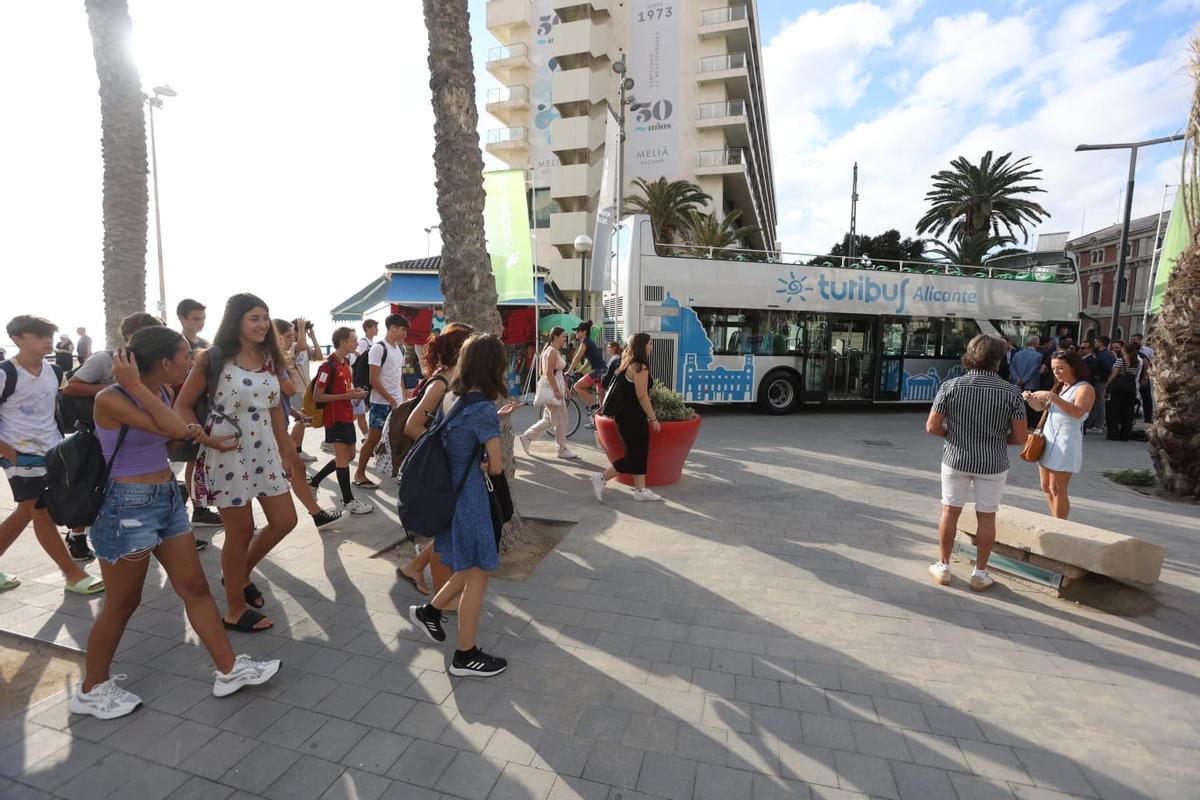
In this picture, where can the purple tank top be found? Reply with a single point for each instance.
(141, 453)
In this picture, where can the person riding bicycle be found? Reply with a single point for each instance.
(595, 360)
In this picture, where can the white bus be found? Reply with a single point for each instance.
(791, 329)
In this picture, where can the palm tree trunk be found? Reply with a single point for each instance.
(468, 286)
(126, 201)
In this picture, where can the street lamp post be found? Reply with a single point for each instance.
(1132, 147)
(152, 102)
(430, 229)
(583, 246)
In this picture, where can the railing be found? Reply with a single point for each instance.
(1059, 272)
(502, 135)
(505, 51)
(723, 62)
(726, 157)
(505, 94)
(727, 108)
(715, 16)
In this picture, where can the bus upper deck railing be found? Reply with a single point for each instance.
(1039, 267)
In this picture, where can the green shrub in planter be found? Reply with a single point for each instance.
(668, 405)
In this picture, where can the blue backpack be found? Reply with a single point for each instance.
(428, 492)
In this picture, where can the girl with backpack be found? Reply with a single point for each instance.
(144, 512)
(469, 548)
(440, 363)
(628, 403)
(1122, 387)
(258, 463)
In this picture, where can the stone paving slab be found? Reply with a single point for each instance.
(767, 632)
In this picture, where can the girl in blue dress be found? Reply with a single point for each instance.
(469, 547)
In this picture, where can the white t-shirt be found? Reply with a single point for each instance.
(27, 417)
(391, 370)
(364, 344)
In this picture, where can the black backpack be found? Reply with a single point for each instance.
(77, 477)
(9, 368)
(428, 492)
(187, 451)
(360, 373)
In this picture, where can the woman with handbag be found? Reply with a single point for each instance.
(628, 403)
(144, 512)
(551, 388)
(1068, 404)
(469, 547)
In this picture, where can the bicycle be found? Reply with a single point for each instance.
(572, 405)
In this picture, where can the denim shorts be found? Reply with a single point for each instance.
(138, 517)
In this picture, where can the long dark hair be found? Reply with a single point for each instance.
(1079, 367)
(441, 349)
(635, 352)
(483, 365)
(150, 346)
(555, 332)
(229, 338)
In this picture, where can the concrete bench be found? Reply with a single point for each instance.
(1067, 548)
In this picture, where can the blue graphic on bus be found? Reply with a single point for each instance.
(925, 387)
(794, 287)
(694, 375)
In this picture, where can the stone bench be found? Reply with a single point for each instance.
(1070, 549)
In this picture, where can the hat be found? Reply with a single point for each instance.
(586, 327)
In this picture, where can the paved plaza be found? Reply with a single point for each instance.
(768, 632)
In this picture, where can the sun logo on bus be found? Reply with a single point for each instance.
(793, 287)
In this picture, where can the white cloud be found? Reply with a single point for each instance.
(1024, 83)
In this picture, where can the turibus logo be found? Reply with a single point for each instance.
(864, 289)
(869, 289)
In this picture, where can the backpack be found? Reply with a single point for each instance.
(360, 372)
(77, 477)
(187, 451)
(9, 368)
(398, 443)
(428, 492)
(309, 406)
(1125, 383)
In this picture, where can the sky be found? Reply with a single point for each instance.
(296, 160)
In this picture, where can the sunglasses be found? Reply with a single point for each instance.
(1059, 354)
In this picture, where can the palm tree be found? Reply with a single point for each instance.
(126, 202)
(969, 200)
(1174, 437)
(973, 250)
(707, 233)
(668, 203)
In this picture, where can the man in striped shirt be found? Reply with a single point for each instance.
(979, 414)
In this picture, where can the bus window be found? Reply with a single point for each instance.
(956, 333)
(923, 337)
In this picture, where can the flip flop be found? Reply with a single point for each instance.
(412, 582)
(251, 594)
(367, 484)
(8, 581)
(246, 622)
(89, 584)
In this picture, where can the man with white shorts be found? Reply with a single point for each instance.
(979, 414)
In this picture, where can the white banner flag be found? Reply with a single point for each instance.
(606, 207)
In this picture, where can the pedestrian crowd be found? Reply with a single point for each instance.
(230, 415)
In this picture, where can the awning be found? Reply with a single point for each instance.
(415, 288)
(362, 301)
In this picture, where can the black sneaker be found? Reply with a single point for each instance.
(326, 517)
(78, 547)
(428, 620)
(476, 662)
(206, 518)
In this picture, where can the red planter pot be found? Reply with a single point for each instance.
(669, 449)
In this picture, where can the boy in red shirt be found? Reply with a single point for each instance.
(333, 388)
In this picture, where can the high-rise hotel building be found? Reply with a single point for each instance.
(699, 110)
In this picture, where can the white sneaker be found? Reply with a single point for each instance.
(940, 573)
(598, 486)
(327, 447)
(357, 506)
(524, 440)
(981, 581)
(306, 458)
(645, 494)
(245, 672)
(568, 455)
(105, 700)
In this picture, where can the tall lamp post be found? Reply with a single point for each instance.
(1132, 147)
(583, 246)
(152, 102)
(429, 230)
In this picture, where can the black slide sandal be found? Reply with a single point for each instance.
(251, 594)
(246, 623)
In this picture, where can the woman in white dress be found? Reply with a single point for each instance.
(245, 402)
(551, 390)
(1069, 402)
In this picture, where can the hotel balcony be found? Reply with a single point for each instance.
(574, 180)
(725, 68)
(507, 142)
(508, 103)
(573, 86)
(731, 22)
(577, 133)
(565, 226)
(581, 37)
(508, 19)
(505, 61)
(593, 5)
(727, 115)
(726, 161)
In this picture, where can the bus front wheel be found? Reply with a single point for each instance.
(779, 393)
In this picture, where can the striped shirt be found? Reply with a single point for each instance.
(979, 408)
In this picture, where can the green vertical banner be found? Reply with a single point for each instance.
(1175, 241)
(506, 226)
